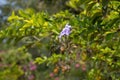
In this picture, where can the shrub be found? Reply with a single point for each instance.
(87, 52)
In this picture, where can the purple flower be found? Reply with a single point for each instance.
(51, 74)
(66, 31)
(24, 68)
(32, 66)
(31, 77)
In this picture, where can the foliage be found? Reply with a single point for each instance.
(87, 53)
(16, 64)
(38, 5)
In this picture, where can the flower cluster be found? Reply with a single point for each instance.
(66, 31)
(32, 66)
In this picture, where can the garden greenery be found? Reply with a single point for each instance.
(90, 51)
